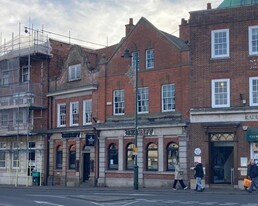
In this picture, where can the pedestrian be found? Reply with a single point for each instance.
(253, 173)
(249, 165)
(198, 176)
(178, 177)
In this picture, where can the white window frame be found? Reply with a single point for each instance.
(219, 44)
(87, 112)
(60, 116)
(119, 102)
(213, 96)
(252, 41)
(134, 60)
(168, 97)
(143, 100)
(74, 72)
(149, 58)
(16, 150)
(252, 92)
(3, 151)
(74, 113)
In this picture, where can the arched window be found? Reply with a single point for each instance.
(59, 157)
(172, 155)
(72, 157)
(129, 156)
(152, 157)
(112, 157)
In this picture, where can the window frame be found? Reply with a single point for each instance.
(74, 72)
(213, 94)
(172, 148)
(168, 100)
(250, 40)
(59, 157)
(72, 157)
(133, 63)
(251, 91)
(74, 116)
(61, 118)
(87, 112)
(214, 44)
(5, 78)
(149, 58)
(16, 155)
(25, 74)
(129, 156)
(3, 146)
(152, 150)
(113, 148)
(143, 100)
(119, 102)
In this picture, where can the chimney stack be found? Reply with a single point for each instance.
(129, 27)
(208, 6)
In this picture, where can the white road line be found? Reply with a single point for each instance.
(47, 203)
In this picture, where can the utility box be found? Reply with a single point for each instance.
(35, 178)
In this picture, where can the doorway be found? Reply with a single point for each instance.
(86, 166)
(222, 162)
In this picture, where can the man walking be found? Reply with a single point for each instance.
(198, 176)
(253, 173)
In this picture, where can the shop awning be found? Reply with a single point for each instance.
(252, 134)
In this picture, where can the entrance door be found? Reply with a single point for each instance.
(222, 162)
(86, 166)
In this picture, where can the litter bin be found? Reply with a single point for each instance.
(35, 178)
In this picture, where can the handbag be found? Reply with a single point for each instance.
(247, 182)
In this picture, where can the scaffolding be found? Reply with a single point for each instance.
(19, 95)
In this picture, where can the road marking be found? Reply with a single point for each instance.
(47, 203)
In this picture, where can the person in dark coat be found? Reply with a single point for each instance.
(254, 176)
(199, 174)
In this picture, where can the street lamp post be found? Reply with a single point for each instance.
(135, 168)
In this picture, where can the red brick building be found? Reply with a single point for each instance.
(223, 89)
(163, 72)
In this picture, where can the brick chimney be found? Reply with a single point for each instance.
(208, 6)
(129, 27)
(184, 30)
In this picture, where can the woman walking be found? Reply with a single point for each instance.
(178, 177)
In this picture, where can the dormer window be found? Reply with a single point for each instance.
(74, 72)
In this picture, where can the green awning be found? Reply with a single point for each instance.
(252, 134)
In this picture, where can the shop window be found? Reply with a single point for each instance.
(172, 155)
(72, 157)
(129, 157)
(152, 157)
(113, 157)
(59, 157)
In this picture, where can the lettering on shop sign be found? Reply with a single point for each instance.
(251, 117)
(142, 132)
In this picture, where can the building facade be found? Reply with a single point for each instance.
(223, 88)
(73, 152)
(162, 62)
(23, 109)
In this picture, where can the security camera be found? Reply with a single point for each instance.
(26, 30)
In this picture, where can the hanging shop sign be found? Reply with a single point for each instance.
(252, 134)
(90, 139)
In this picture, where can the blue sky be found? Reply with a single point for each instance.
(97, 21)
